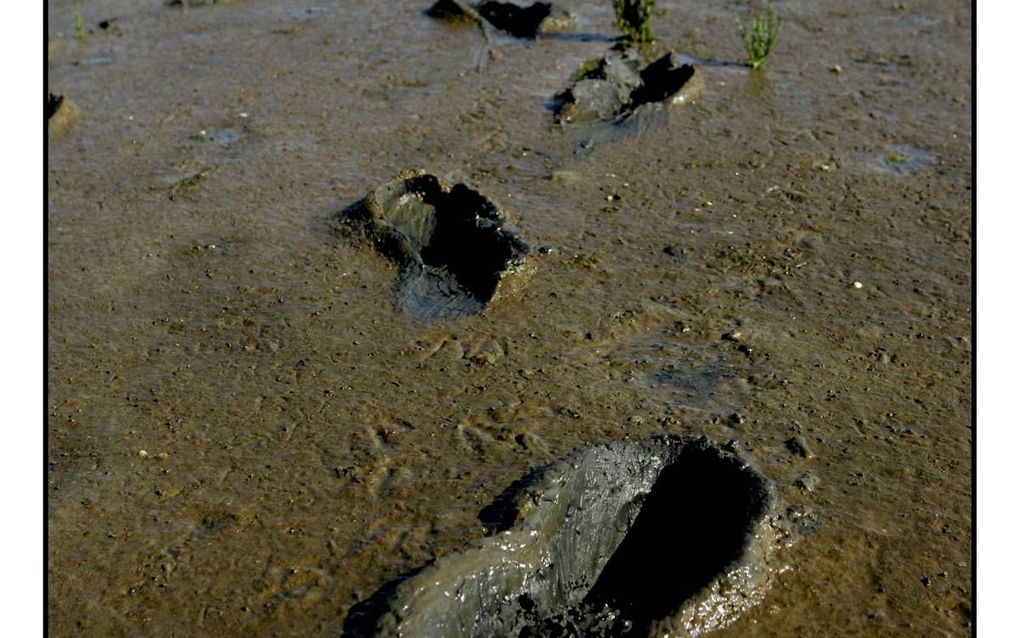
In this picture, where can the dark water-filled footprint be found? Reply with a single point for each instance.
(671, 534)
(455, 253)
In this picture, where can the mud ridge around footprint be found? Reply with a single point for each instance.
(669, 534)
(455, 251)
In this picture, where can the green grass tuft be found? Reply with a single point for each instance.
(760, 37)
(79, 23)
(586, 69)
(182, 186)
(634, 18)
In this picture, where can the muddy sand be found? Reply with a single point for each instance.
(250, 433)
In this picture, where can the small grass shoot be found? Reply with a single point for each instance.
(634, 18)
(182, 186)
(585, 69)
(760, 37)
(79, 23)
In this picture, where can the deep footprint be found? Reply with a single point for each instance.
(520, 19)
(61, 114)
(671, 535)
(616, 87)
(53, 104)
(455, 254)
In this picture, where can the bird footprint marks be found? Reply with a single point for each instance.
(514, 426)
(375, 450)
(475, 349)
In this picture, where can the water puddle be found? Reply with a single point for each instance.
(223, 137)
(900, 159)
(695, 375)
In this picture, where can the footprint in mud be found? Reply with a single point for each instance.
(712, 386)
(222, 137)
(475, 439)
(213, 520)
(695, 375)
(476, 350)
(485, 437)
(456, 254)
(374, 448)
(230, 138)
(201, 524)
(290, 588)
(585, 545)
(519, 19)
(624, 97)
(61, 114)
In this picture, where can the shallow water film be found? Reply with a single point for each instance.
(250, 433)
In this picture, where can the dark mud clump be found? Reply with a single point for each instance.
(671, 535)
(520, 19)
(617, 86)
(455, 253)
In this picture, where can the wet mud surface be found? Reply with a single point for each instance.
(247, 437)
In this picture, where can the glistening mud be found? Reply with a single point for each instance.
(668, 535)
(450, 242)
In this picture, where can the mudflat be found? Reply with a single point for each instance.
(249, 436)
